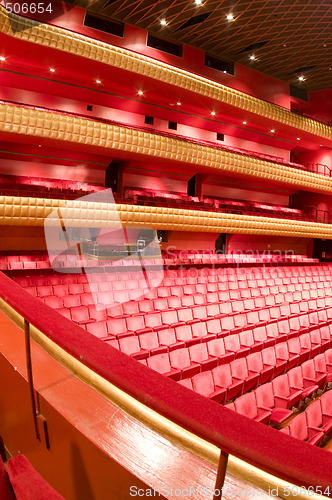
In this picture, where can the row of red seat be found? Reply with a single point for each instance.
(12, 262)
(153, 197)
(315, 423)
(232, 381)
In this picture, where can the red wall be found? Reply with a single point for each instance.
(246, 79)
(247, 242)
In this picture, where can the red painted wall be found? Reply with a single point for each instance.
(246, 79)
(269, 244)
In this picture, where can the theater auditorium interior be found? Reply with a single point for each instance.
(166, 249)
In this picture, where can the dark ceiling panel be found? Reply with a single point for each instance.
(299, 32)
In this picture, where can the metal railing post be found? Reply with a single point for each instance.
(222, 467)
(30, 376)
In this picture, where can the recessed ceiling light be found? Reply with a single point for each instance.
(230, 17)
(298, 139)
(163, 22)
(301, 78)
(178, 103)
(213, 113)
(225, 71)
(198, 2)
(98, 81)
(252, 58)
(52, 70)
(244, 123)
(140, 92)
(272, 130)
(2, 58)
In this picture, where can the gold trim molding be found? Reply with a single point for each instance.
(83, 46)
(67, 128)
(24, 211)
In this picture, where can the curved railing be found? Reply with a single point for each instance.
(210, 144)
(277, 454)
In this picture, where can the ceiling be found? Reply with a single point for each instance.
(294, 35)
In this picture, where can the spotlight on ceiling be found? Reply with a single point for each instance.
(2, 58)
(230, 17)
(213, 113)
(163, 22)
(252, 57)
(140, 92)
(298, 139)
(52, 70)
(178, 103)
(98, 81)
(272, 130)
(301, 78)
(198, 2)
(244, 123)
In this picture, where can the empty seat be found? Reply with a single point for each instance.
(239, 370)
(310, 376)
(247, 406)
(265, 400)
(180, 359)
(161, 364)
(199, 354)
(223, 378)
(284, 395)
(203, 384)
(256, 365)
(80, 315)
(299, 429)
(296, 381)
(316, 419)
(131, 347)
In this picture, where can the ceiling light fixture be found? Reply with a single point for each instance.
(230, 17)
(272, 130)
(301, 78)
(252, 58)
(140, 92)
(98, 81)
(52, 70)
(244, 123)
(2, 58)
(213, 113)
(198, 2)
(163, 22)
(178, 103)
(298, 139)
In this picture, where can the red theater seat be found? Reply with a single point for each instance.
(203, 384)
(265, 401)
(199, 354)
(223, 378)
(27, 484)
(284, 395)
(297, 382)
(299, 429)
(180, 359)
(256, 365)
(161, 364)
(247, 406)
(310, 376)
(239, 370)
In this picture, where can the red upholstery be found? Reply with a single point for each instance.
(27, 483)
(6, 492)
